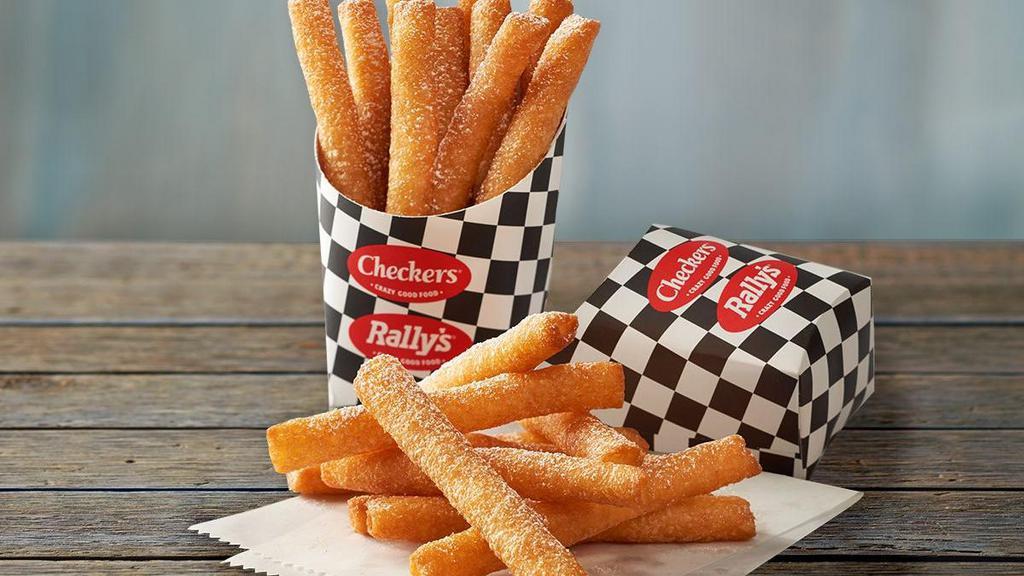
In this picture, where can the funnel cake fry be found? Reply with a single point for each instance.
(485, 19)
(586, 436)
(307, 481)
(369, 72)
(535, 339)
(413, 116)
(697, 519)
(499, 400)
(547, 476)
(452, 67)
(339, 136)
(513, 531)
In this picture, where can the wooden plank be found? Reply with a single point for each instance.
(158, 401)
(101, 525)
(253, 349)
(281, 282)
(116, 567)
(237, 459)
(280, 349)
(258, 401)
(944, 401)
(90, 281)
(851, 568)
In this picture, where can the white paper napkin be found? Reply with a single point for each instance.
(311, 536)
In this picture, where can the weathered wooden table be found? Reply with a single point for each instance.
(137, 381)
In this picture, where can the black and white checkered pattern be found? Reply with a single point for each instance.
(786, 385)
(505, 242)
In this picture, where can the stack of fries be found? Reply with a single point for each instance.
(466, 106)
(479, 503)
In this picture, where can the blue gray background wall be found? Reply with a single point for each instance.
(188, 120)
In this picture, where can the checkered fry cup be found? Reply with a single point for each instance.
(720, 338)
(425, 288)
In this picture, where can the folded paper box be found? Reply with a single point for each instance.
(425, 288)
(721, 338)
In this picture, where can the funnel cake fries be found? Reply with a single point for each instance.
(513, 530)
(670, 478)
(340, 142)
(499, 400)
(532, 341)
(585, 436)
(413, 116)
(369, 71)
(490, 92)
(538, 116)
(544, 476)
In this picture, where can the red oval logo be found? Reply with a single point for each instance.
(408, 274)
(684, 272)
(419, 343)
(754, 293)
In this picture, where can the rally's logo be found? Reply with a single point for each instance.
(408, 274)
(684, 272)
(754, 293)
(419, 343)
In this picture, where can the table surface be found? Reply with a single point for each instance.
(136, 381)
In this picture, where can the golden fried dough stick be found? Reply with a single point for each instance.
(540, 112)
(369, 72)
(307, 481)
(635, 437)
(547, 476)
(481, 440)
(357, 513)
(697, 519)
(339, 136)
(530, 441)
(490, 93)
(555, 11)
(513, 531)
(413, 118)
(485, 18)
(452, 66)
(413, 518)
(467, 14)
(670, 478)
(535, 339)
(385, 471)
(498, 400)
(584, 435)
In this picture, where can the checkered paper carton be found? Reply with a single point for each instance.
(425, 288)
(720, 338)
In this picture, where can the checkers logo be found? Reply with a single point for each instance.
(420, 343)
(408, 274)
(684, 272)
(755, 293)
